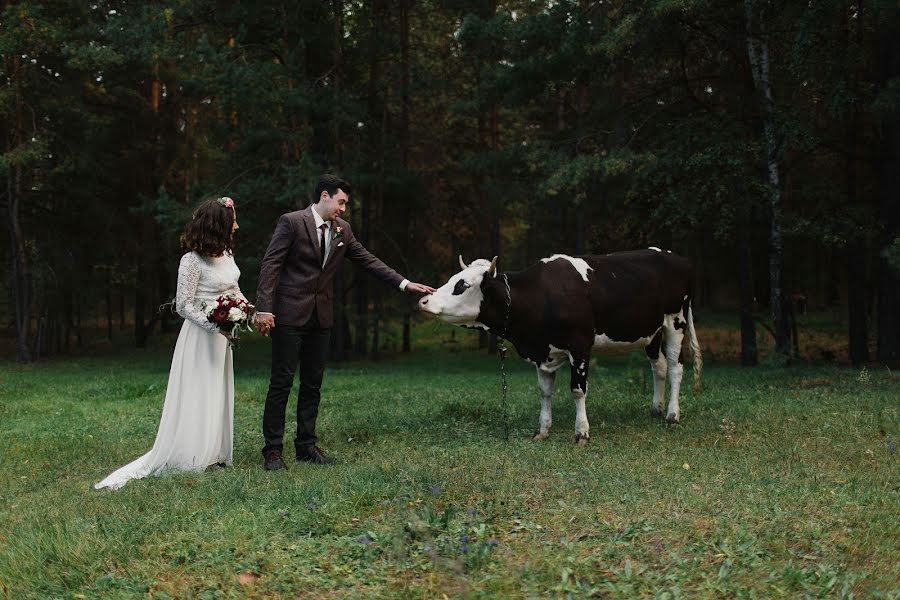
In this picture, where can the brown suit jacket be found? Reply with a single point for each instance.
(291, 280)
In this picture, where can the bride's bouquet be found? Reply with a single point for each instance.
(231, 315)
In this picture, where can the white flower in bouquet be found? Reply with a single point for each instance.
(235, 314)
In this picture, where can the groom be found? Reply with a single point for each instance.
(294, 302)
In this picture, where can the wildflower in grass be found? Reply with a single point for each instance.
(436, 490)
(864, 377)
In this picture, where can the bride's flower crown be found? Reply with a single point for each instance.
(226, 202)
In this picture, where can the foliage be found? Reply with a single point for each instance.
(473, 126)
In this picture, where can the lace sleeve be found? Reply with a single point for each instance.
(188, 277)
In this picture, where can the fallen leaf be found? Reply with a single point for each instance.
(686, 467)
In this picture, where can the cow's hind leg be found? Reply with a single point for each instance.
(545, 383)
(672, 338)
(659, 368)
(578, 385)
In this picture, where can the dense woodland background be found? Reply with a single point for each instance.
(761, 139)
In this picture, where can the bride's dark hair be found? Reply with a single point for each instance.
(209, 232)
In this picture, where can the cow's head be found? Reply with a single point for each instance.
(459, 300)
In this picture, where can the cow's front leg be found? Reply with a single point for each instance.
(579, 393)
(545, 383)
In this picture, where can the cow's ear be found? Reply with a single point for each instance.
(493, 268)
(462, 263)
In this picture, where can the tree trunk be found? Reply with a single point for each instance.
(339, 330)
(20, 265)
(374, 114)
(889, 194)
(407, 239)
(337, 7)
(857, 257)
(496, 206)
(858, 344)
(758, 53)
(121, 310)
(109, 317)
(17, 237)
(749, 356)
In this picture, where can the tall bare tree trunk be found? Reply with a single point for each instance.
(367, 208)
(749, 355)
(758, 53)
(889, 192)
(147, 273)
(20, 265)
(339, 330)
(17, 238)
(407, 240)
(857, 256)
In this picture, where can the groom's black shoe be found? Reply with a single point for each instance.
(314, 455)
(274, 462)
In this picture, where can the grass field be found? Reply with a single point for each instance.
(780, 482)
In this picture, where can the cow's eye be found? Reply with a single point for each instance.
(461, 286)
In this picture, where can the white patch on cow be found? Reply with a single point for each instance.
(580, 265)
(555, 359)
(605, 344)
(654, 248)
(459, 309)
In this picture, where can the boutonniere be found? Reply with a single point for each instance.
(338, 232)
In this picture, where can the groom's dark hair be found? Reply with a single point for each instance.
(330, 183)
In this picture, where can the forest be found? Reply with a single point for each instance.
(760, 139)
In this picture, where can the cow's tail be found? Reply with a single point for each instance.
(696, 356)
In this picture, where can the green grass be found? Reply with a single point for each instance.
(778, 482)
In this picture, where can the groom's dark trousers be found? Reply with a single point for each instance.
(306, 346)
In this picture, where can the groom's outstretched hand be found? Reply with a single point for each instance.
(264, 322)
(419, 288)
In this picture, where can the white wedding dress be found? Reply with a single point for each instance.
(196, 427)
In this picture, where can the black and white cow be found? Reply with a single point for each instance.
(560, 309)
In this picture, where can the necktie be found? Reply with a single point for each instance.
(323, 227)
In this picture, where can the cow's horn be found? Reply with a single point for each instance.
(493, 269)
(462, 263)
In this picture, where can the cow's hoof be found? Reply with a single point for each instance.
(655, 412)
(582, 439)
(540, 436)
(672, 419)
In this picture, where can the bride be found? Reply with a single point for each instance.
(195, 431)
